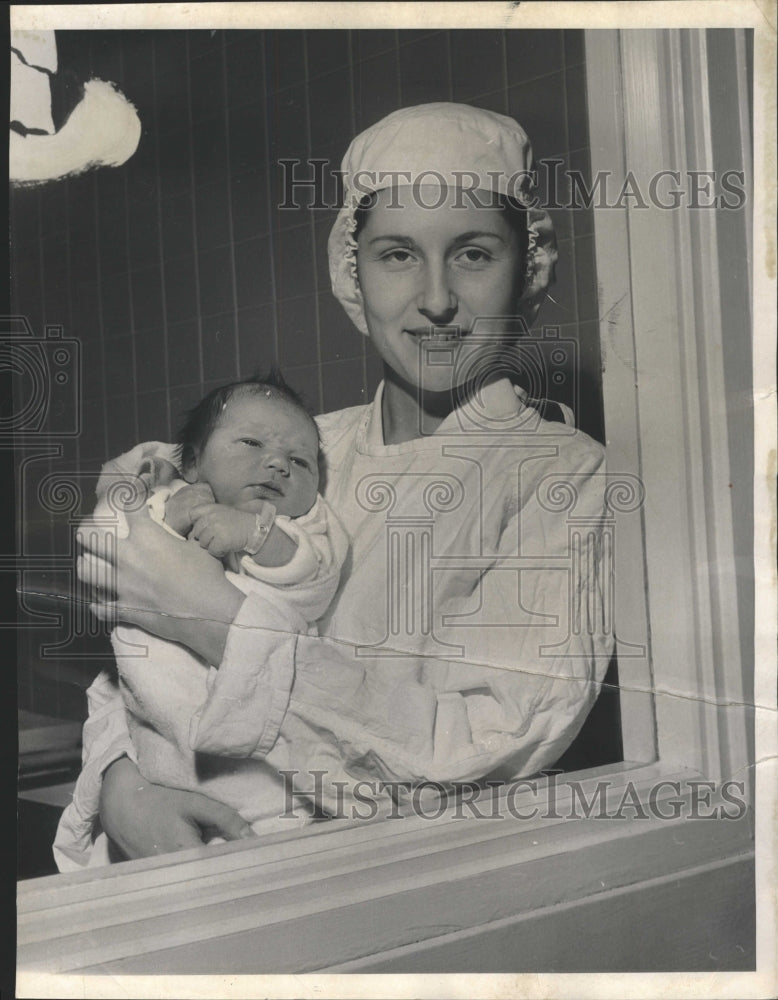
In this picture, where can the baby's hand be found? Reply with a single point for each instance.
(178, 509)
(221, 529)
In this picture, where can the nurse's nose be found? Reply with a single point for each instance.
(437, 300)
(278, 462)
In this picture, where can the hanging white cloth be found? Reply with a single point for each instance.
(33, 57)
(102, 130)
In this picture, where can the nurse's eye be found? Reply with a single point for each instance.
(474, 255)
(397, 256)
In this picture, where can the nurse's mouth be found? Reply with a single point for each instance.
(437, 334)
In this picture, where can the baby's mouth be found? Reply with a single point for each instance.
(267, 491)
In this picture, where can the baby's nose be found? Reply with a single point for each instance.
(278, 461)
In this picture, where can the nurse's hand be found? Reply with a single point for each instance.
(144, 819)
(156, 471)
(163, 584)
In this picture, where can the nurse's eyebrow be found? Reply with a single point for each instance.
(477, 234)
(474, 234)
(393, 239)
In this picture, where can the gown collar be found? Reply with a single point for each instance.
(497, 407)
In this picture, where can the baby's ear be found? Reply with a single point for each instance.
(188, 463)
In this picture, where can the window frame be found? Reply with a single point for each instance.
(348, 896)
(643, 104)
(683, 712)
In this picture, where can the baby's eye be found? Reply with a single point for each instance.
(301, 462)
(252, 442)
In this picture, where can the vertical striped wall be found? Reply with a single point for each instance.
(178, 271)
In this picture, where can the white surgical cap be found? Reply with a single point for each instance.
(444, 145)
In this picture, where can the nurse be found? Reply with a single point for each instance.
(467, 636)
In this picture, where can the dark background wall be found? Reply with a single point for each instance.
(177, 271)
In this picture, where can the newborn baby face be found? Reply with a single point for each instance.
(263, 448)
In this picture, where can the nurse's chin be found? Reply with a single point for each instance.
(448, 366)
(438, 386)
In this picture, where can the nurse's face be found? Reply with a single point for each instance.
(428, 274)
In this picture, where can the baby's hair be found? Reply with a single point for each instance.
(201, 421)
(515, 215)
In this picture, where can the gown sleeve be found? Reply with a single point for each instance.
(106, 738)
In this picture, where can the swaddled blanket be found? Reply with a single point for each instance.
(186, 731)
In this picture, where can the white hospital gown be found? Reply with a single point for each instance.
(468, 633)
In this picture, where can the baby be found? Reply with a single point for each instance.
(248, 453)
(247, 492)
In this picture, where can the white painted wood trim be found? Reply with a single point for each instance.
(336, 895)
(675, 916)
(664, 394)
(619, 388)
